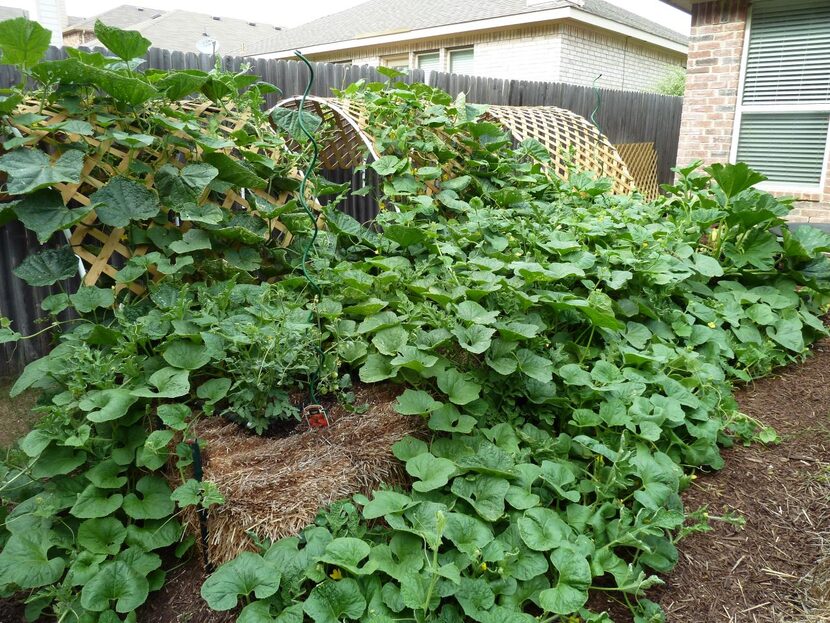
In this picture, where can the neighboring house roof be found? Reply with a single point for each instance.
(378, 18)
(122, 16)
(180, 30)
(7, 12)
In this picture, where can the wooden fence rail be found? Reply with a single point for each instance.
(623, 116)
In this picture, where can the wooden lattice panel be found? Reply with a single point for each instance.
(573, 142)
(641, 160)
(104, 250)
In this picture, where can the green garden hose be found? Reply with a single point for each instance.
(315, 376)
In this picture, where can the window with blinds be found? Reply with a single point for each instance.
(431, 61)
(784, 109)
(788, 57)
(462, 61)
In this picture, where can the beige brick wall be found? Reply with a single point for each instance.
(623, 62)
(548, 52)
(714, 66)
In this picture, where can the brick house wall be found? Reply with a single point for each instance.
(712, 90)
(624, 63)
(549, 53)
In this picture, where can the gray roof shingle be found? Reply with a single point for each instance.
(122, 16)
(180, 30)
(7, 12)
(378, 17)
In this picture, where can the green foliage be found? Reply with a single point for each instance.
(571, 351)
(673, 83)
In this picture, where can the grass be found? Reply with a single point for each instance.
(16, 417)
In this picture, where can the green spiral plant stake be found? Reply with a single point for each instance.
(307, 250)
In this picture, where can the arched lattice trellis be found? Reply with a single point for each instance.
(572, 141)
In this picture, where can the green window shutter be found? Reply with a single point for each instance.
(429, 61)
(788, 56)
(786, 147)
(462, 62)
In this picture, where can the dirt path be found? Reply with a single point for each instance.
(766, 571)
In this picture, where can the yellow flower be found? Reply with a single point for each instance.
(712, 325)
(483, 566)
(336, 574)
(645, 244)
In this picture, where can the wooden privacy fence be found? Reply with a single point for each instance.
(625, 117)
(644, 127)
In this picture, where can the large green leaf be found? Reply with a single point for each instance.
(186, 355)
(178, 84)
(115, 581)
(30, 169)
(125, 44)
(293, 122)
(458, 387)
(245, 575)
(44, 213)
(56, 461)
(154, 501)
(386, 503)
(432, 472)
(94, 502)
(25, 562)
(734, 178)
(106, 405)
(474, 338)
(348, 553)
(169, 383)
(484, 493)
(333, 602)
(469, 534)
(132, 90)
(571, 589)
(48, 267)
(233, 171)
(23, 41)
(90, 298)
(542, 529)
(415, 402)
(121, 201)
(103, 535)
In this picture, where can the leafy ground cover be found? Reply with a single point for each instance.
(573, 353)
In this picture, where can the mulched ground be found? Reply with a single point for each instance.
(775, 569)
(762, 572)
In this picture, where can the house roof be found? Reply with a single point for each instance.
(180, 30)
(7, 12)
(122, 16)
(387, 17)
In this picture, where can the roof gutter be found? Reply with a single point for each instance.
(488, 24)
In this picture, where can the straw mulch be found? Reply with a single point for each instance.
(274, 487)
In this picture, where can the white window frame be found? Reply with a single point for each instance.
(741, 108)
(451, 51)
(439, 52)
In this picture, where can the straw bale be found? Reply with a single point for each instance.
(274, 487)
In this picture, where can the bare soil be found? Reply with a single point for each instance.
(16, 417)
(775, 568)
